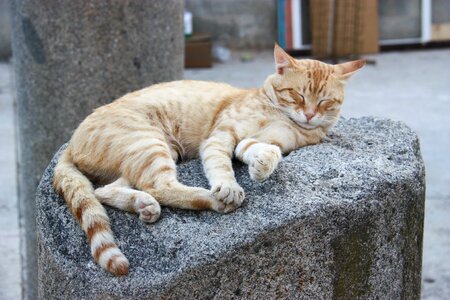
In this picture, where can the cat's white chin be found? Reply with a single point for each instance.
(307, 126)
(301, 122)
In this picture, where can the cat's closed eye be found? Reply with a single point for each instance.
(328, 104)
(324, 101)
(296, 97)
(280, 90)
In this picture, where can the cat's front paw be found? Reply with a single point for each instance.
(230, 196)
(147, 207)
(264, 162)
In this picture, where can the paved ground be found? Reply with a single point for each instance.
(9, 232)
(413, 87)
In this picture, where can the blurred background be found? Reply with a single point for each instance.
(406, 44)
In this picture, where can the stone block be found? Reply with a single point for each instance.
(342, 220)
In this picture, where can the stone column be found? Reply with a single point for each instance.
(72, 56)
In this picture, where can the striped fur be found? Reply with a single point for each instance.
(132, 145)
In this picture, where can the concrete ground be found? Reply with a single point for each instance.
(413, 87)
(9, 227)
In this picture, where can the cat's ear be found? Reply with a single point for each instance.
(345, 70)
(282, 59)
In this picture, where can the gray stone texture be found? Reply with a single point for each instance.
(236, 23)
(5, 30)
(342, 220)
(73, 56)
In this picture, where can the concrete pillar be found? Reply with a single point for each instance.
(72, 56)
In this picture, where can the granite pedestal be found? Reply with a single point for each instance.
(342, 220)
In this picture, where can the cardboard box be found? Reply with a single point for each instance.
(440, 32)
(344, 27)
(198, 51)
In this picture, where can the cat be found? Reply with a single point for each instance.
(133, 144)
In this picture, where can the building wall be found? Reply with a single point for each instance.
(238, 24)
(441, 11)
(5, 30)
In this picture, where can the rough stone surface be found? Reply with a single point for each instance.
(236, 23)
(342, 219)
(72, 56)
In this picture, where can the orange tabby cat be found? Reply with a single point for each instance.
(133, 143)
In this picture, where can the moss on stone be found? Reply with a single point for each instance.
(353, 252)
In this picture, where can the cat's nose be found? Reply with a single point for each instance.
(309, 115)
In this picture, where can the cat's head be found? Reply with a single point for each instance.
(310, 92)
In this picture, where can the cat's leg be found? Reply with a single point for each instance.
(150, 167)
(175, 194)
(121, 195)
(262, 158)
(216, 153)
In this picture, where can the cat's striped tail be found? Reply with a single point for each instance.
(79, 195)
